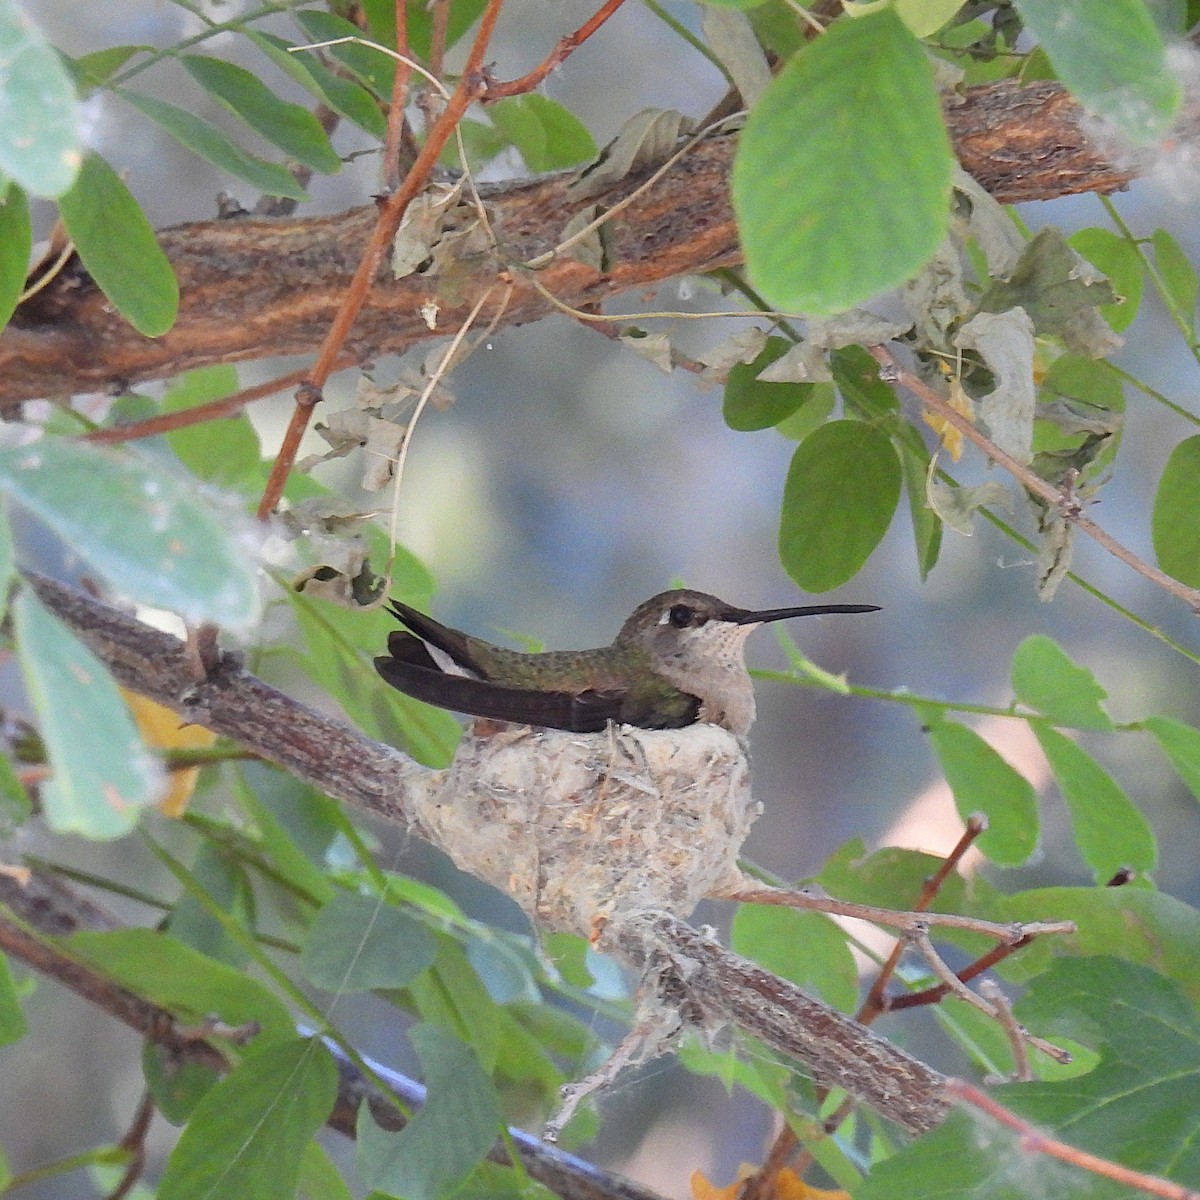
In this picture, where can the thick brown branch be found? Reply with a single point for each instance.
(839, 1051)
(350, 767)
(327, 753)
(254, 288)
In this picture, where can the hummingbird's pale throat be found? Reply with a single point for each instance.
(678, 659)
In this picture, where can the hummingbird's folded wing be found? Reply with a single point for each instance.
(586, 712)
(450, 641)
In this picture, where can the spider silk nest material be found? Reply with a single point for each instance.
(584, 829)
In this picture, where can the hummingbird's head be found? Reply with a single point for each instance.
(681, 624)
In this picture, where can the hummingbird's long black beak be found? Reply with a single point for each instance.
(745, 617)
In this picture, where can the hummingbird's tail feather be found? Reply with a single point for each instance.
(587, 712)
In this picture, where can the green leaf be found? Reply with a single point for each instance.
(1120, 261)
(97, 68)
(358, 943)
(15, 805)
(295, 825)
(247, 1135)
(176, 1084)
(41, 123)
(926, 17)
(15, 242)
(289, 126)
(219, 876)
(1182, 745)
(752, 403)
(102, 775)
(162, 970)
(8, 568)
(149, 532)
(927, 524)
(1110, 832)
(853, 117)
(1140, 924)
(1178, 276)
(967, 1157)
(983, 782)
(371, 64)
(841, 492)
(346, 97)
(1047, 680)
(119, 249)
(807, 948)
(1111, 57)
(811, 415)
(548, 136)
(12, 1019)
(320, 1178)
(213, 146)
(1138, 1106)
(224, 452)
(453, 997)
(458, 1124)
(1175, 519)
(461, 15)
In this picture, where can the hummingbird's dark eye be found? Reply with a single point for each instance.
(681, 616)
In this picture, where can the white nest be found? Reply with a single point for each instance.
(583, 828)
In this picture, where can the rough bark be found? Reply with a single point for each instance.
(255, 288)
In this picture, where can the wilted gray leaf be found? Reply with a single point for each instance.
(653, 347)
(805, 362)
(421, 228)
(731, 38)
(1088, 333)
(645, 140)
(936, 298)
(957, 505)
(590, 250)
(990, 224)
(1051, 283)
(1005, 341)
(1072, 416)
(1054, 554)
(742, 347)
(855, 327)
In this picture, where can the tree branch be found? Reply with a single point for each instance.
(256, 288)
(350, 767)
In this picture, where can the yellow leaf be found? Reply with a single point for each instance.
(788, 1186)
(162, 729)
(951, 438)
(703, 1190)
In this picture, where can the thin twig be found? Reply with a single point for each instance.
(395, 122)
(875, 1002)
(470, 87)
(924, 944)
(985, 962)
(908, 922)
(134, 1143)
(892, 372)
(1036, 1142)
(566, 47)
(214, 410)
(990, 990)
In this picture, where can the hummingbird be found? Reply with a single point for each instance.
(677, 660)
